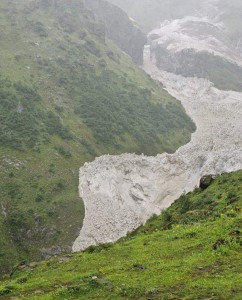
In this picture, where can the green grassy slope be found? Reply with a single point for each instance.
(67, 94)
(192, 251)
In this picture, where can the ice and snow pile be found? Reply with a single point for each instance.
(200, 34)
(122, 192)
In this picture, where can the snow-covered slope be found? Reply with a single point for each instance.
(197, 33)
(199, 46)
(122, 192)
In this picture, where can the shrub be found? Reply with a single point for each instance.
(39, 198)
(61, 150)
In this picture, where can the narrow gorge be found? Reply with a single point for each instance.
(122, 192)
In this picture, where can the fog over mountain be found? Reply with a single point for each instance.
(149, 13)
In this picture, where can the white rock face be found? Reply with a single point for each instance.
(122, 192)
(202, 34)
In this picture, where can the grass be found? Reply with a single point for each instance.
(67, 96)
(37, 198)
(188, 258)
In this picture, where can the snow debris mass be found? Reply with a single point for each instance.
(196, 33)
(122, 192)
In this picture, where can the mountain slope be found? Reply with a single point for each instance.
(197, 38)
(122, 192)
(68, 94)
(119, 28)
(198, 47)
(192, 251)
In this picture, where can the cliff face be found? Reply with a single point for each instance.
(119, 28)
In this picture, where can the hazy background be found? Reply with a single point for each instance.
(148, 13)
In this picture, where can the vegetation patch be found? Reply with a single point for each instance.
(195, 253)
(67, 95)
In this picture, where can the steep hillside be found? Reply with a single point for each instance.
(192, 251)
(119, 28)
(122, 192)
(195, 38)
(198, 47)
(68, 94)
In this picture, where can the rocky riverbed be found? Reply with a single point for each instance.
(122, 192)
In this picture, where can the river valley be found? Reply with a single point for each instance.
(122, 192)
